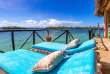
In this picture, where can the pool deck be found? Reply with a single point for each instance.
(103, 46)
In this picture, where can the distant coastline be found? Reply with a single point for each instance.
(64, 27)
(13, 27)
(55, 28)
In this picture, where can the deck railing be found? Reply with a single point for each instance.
(68, 35)
(94, 33)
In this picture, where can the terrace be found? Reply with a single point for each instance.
(103, 48)
(69, 37)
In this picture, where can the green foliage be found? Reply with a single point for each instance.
(13, 27)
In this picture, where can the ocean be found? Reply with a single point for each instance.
(20, 37)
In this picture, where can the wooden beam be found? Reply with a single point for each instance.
(26, 41)
(40, 37)
(105, 24)
(67, 37)
(2, 51)
(33, 37)
(89, 34)
(59, 36)
(108, 6)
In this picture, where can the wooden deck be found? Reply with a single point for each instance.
(2, 72)
(103, 45)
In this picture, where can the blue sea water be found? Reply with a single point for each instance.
(20, 37)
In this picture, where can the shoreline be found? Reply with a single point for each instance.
(63, 27)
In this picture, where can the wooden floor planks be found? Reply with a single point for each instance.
(2, 72)
(103, 45)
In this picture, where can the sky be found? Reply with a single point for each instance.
(46, 13)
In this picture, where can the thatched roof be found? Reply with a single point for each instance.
(100, 6)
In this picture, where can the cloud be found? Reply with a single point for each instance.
(41, 23)
(6, 23)
(9, 23)
(54, 22)
(31, 21)
(27, 23)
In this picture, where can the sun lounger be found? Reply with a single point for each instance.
(51, 46)
(21, 61)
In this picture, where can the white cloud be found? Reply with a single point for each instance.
(31, 22)
(6, 23)
(41, 23)
(54, 22)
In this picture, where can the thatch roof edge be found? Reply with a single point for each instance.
(99, 8)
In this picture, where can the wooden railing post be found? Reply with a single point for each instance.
(33, 37)
(92, 34)
(89, 34)
(66, 36)
(12, 36)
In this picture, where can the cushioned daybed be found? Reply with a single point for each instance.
(21, 61)
(50, 46)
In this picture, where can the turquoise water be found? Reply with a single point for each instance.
(20, 37)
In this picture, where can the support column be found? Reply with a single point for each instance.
(105, 24)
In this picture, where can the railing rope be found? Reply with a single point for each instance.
(59, 36)
(67, 34)
(48, 32)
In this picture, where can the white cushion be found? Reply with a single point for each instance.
(72, 44)
(49, 62)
